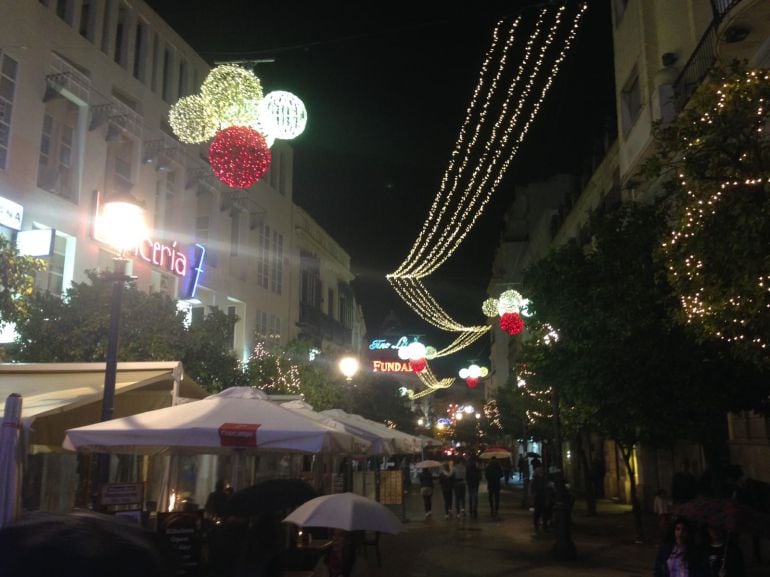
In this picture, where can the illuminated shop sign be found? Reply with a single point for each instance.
(391, 367)
(384, 344)
(10, 214)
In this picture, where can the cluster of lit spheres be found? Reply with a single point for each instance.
(417, 354)
(511, 307)
(472, 374)
(232, 97)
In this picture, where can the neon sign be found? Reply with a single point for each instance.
(382, 344)
(391, 367)
(163, 256)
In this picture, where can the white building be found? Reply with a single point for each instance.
(85, 89)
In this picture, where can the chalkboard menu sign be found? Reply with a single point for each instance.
(182, 530)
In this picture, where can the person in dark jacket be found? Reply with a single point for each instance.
(472, 480)
(724, 555)
(426, 491)
(493, 473)
(447, 482)
(678, 556)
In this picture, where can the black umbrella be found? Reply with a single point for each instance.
(81, 544)
(271, 495)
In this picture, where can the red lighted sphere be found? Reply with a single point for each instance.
(511, 323)
(418, 365)
(472, 382)
(239, 156)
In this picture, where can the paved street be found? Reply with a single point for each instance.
(484, 547)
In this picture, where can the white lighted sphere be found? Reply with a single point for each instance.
(348, 366)
(474, 371)
(463, 373)
(263, 128)
(468, 409)
(403, 353)
(284, 113)
(416, 351)
(489, 307)
(509, 302)
(484, 372)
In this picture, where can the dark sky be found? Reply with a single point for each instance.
(386, 86)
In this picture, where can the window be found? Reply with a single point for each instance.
(202, 219)
(140, 52)
(196, 314)
(8, 71)
(263, 255)
(51, 280)
(155, 55)
(276, 280)
(262, 327)
(630, 102)
(183, 88)
(310, 279)
(274, 329)
(87, 20)
(106, 27)
(121, 37)
(330, 303)
(65, 10)
(57, 159)
(167, 74)
(232, 312)
(161, 282)
(120, 165)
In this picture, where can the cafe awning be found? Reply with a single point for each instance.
(60, 396)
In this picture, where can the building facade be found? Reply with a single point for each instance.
(85, 89)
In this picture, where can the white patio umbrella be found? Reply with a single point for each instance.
(397, 441)
(346, 511)
(368, 444)
(237, 418)
(10, 460)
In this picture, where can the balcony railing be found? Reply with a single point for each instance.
(703, 57)
(322, 326)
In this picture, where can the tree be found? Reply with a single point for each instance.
(75, 329)
(17, 281)
(716, 158)
(621, 364)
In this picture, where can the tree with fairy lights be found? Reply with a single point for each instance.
(716, 154)
(636, 376)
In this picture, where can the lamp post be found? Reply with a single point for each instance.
(122, 227)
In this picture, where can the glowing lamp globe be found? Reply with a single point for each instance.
(463, 373)
(472, 382)
(474, 371)
(348, 367)
(416, 350)
(122, 221)
(418, 365)
(239, 156)
(283, 114)
(403, 353)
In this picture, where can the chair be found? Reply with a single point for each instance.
(370, 539)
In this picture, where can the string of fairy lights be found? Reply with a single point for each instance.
(733, 322)
(489, 138)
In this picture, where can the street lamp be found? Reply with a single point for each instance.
(122, 227)
(348, 367)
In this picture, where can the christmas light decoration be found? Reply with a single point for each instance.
(489, 308)
(472, 374)
(233, 93)
(430, 353)
(511, 323)
(480, 160)
(192, 120)
(239, 156)
(472, 382)
(511, 301)
(418, 365)
(283, 114)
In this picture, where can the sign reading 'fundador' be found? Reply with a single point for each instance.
(391, 367)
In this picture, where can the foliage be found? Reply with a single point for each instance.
(75, 329)
(620, 364)
(17, 281)
(376, 397)
(717, 160)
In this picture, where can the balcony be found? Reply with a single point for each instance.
(321, 327)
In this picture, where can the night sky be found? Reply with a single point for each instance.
(386, 86)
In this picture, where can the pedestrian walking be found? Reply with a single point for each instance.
(523, 467)
(538, 487)
(493, 473)
(678, 556)
(724, 555)
(473, 479)
(426, 491)
(446, 481)
(458, 473)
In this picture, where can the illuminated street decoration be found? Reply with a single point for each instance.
(239, 156)
(496, 123)
(192, 120)
(511, 323)
(283, 114)
(233, 94)
(472, 374)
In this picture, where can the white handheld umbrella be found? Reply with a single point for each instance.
(10, 462)
(427, 464)
(346, 511)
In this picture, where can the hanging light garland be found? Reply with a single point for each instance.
(453, 214)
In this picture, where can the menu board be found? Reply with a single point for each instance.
(183, 532)
(391, 487)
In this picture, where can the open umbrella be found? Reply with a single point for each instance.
(722, 513)
(346, 511)
(10, 460)
(271, 495)
(86, 544)
(427, 464)
(498, 452)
